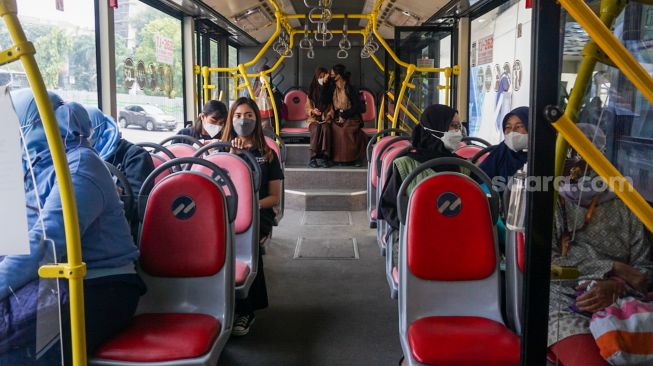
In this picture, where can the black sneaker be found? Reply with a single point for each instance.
(326, 163)
(313, 163)
(242, 324)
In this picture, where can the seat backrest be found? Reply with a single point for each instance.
(380, 150)
(388, 157)
(182, 150)
(242, 177)
(370, 106)
(467, 151)
(273, 145)
(186, 254)
(295, 101)
(446, 266)
(158, 160)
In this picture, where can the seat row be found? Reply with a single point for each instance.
(295, 101)
(199, 248)
(447, 277)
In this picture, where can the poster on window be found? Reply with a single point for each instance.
(164, 49)
(499, 75)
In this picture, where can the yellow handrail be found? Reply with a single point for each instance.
(267, 87)
(379, 123)
(74, 270)
(409, 73)
(608, 43)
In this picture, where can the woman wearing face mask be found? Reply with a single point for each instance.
(318, 125)
(209, 124)
(134, 161)
(596, 233)
(436, 136)
(349, 140)
(245, 132)
(106, 243)
(264, 100)
(510, 155)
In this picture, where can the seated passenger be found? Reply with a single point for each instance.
(349, 140)
(510, 155)
(134, 161)
(608, 246)
(107, 247)
(208, 126)
(436, 136)
(318, 125)
(244, 124)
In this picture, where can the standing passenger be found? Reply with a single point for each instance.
(244, 122)
(106, 243)
(264, 100)
(208, 126)
(349, 140)
(318, 125)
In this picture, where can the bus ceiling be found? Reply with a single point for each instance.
(256, 17)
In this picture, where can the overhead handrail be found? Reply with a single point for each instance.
(74, 270)
(598, 29)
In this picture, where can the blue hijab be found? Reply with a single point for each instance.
(106, 135)
(502, 161)
(30, 120)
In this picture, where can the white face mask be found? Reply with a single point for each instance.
(262, 79)
(516, 141)
(451, 139)
(320, 81)
(211, 130)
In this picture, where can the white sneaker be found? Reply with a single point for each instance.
(242, 324)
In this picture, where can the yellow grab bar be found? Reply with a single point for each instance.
(74, 270)
(267, 87)
(602, 166)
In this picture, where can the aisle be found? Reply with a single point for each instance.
(330, 311)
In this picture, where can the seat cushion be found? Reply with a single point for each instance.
(242, 271)
(462, 341)
(294, 130)
(163, 337)
(395, 275)
(370, 130)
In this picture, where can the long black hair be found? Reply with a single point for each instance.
(212, 108)
(258, 138)
(315, 90)
(341, 70)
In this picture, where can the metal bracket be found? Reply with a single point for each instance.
(16, 51)
(593, 50)
(62, 270)
(564, 273)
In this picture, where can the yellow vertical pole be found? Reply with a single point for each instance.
(447, 86)
(379, 124)
(409, 73)
(205, 83)
(75, 269)
(268, 88)
(236, 85)
(243, 73)
(610, 10)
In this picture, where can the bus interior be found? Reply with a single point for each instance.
(469, 275)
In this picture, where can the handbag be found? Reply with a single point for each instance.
(624, 332)
(264, 104)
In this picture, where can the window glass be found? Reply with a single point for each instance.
(65, 48)
(500, 52)
(149, 70)
(233, 62)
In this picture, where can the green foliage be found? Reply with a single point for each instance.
(51, 51)
(83, 64)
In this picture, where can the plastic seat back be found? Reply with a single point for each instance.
(446, 267)
(467, 151)
(246, 222)
(379, 152)
(295, 101)
(182, 150)
(370, 106)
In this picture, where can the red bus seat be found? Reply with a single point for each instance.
(186, 260)
(370, 107)
(295, 101)
(467, 151)
(449, 306)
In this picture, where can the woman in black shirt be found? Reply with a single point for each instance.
(245, 132)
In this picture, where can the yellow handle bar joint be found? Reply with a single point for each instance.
(63, 270)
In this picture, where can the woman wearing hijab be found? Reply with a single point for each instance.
(436, 136)
(510, 155)
(318, 125)
(349, 140)
(596, 233)
(132, 160)
(107, 246)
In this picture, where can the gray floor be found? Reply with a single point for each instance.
(322, 311)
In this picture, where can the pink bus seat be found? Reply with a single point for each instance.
(467, 151)
(295, 101)
(370, 106)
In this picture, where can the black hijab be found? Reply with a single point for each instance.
(502, 161)
(435, 117)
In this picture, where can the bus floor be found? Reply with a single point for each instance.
(324, 309)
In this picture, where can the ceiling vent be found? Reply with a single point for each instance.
(253, 19)
(399, 17)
